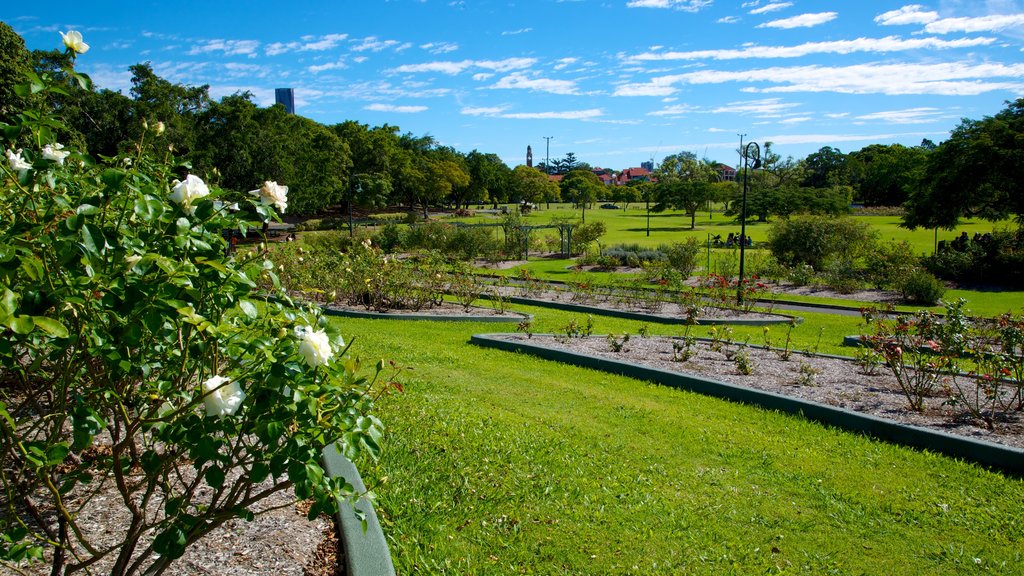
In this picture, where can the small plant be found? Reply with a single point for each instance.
(813, 350)
(682, 350)
(908, 349)
(498, 298)
(743, 362)
(807, 375)
(644, 331)
(574, 330)
(766, 334)
(720, 338)
(526, 327)
(786, 352)
(868, 359)
(617, 343)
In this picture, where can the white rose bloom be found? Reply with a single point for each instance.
(17, 163)
(221, 396)
(315, 347)
(187, 192)
(159, 128)
(273, 193)
(73, 40)
(55, 152)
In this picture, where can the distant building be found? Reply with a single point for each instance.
(529, 156)
(286, 96)
(630, 174)
(727, 173)
(649, 165)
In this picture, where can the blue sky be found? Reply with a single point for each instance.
(617, 82)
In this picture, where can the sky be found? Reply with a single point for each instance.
(616, 82)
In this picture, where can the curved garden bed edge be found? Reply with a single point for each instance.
(989, 454)
(365, 552)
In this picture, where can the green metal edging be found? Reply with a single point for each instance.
(508, 317)
(365, 551)
(568, 307)
(990, 454)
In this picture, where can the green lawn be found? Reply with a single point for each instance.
(630, 226)
(498, 463)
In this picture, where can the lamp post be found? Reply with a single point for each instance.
(747, 153)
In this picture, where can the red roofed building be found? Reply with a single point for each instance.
(728, 173)
(630, 174)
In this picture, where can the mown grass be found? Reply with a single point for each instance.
(498, 463)
(630, 226)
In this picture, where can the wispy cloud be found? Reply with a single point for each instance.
(440, 47)
(516, 32)
(316, 69)
(991, 23)
(395, 109)
(911, 14)
(764, 108)
(907, 116)
(452, 68)
(228, 47)
(500, 112)
(773, 7)
(801, 21)
(950, 79)
(374, 44)
(879, 45)
(728, 20)
(520, 81)
(682, 5)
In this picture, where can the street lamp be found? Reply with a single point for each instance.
(750, 151)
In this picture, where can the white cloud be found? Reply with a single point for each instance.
(499, 112)
(440, 47)
(992, 23)
(795, 120)
(565, 62)
(316, 69)
(674, 110)
(831, 139)
(801, 21)
(682, 5)
(728, 20)
(516, 32)
(228, 47)
(374, 44)
(327, 42)
(773, 7)
(950, 78)
(880, 45)
(396, 109)
(453, 68)
(570, 115)
(910, 14)
(908, 116)
(483, 76)
(519, 81)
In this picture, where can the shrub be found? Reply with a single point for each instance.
(683, 256)
(921, 287)
(891, 264)
(586, 234)
(815, 240)
(136, 355)
(389, 238)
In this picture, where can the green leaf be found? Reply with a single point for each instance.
(87, 210)
(22, 324)
(56, 453)
(113, 177)
(148, 208)
(83, 81)
(51, 326)
(9, 302)
(170, 543)
(92, 239)
(214, 477)
(260, 471)
(248, 308)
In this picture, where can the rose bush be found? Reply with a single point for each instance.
(137, 355)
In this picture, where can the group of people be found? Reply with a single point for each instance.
(961, 242)
(732, 240)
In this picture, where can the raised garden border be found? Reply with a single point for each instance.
(507, 317)
(364, 552)
(643, 317)
(1005, 458)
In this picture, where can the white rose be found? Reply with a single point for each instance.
(192, 189)
(272, 193)
(315, 347)
(73, 40)
(55, 152)
(159, 128)
(17, 163)
(221, 396)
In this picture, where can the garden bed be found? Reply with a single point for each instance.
(445, 311)
(815, 380)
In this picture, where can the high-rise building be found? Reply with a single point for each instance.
(286, 96)
(529, 157)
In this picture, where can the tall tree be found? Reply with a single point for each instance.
(15, 63)
(826, 168)
(882, 175)
(976, 173)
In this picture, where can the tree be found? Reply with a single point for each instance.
(528, 184)
(581, 187)
(14, 69)
(176, 105)
(884, 175)
(976, 173)
(825, 168)
(488, 179)
(684, 183)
